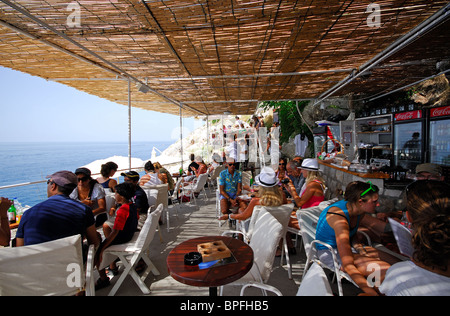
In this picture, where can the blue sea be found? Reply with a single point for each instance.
(29, 162)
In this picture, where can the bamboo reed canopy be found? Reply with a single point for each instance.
(214, 56)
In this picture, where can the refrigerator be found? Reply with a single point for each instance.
(439, 127)
(409, 139)
(348, 137)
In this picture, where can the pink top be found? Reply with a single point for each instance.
(313, 201)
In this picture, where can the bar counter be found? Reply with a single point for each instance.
(337, 179)
(369, 175)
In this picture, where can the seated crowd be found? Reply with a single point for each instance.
(428, 272)
(76, 205)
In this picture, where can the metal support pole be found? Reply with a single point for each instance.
(207, 138)
(129, 124)
(181, 137)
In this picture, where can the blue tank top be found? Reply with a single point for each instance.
(325, 233)
(106, 184)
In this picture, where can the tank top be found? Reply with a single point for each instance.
(325, 233)
(314, 200)
(106, 184)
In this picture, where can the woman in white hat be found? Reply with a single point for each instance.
(202, 167)
(312, 192)
(269, 194)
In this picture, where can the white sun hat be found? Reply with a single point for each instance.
(310, 164)
(267, 178)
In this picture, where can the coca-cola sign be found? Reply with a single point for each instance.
(408, 115)
(442, 111)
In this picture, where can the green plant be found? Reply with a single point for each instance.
(291, 123)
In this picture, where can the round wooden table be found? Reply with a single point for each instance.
(214, 276)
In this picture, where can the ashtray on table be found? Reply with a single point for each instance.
(192, 258)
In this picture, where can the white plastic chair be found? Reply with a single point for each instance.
(297, 232)
(161, 198)
(315, 283)
(152, 196)
(283, 214)
(218, 211)
(265, 239)
(198, 186)
(246, 227)
(110, 202)
(264, 287)
(130, 253)
(90, 281)
(246, 176)
(174, 197)
(51, 268)
(212, 177)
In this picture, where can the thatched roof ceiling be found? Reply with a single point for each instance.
(216, 56)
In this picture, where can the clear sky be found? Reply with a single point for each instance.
(36, 110)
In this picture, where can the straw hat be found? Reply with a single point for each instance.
(267, 178)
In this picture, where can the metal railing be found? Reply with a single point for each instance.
(43, 181)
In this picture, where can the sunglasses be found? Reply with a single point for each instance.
(83, 179)
(368, 190)
(232, 164)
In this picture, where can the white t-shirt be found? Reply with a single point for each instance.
(154, 180)
(243, 156)
(407, 279)
(232, 151)
(300, 145)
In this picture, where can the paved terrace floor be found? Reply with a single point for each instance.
(196, 221)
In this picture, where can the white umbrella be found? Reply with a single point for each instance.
(121, 161)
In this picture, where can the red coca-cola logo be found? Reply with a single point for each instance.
(408, 115)
(442, 111)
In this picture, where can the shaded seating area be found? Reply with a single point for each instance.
(269, 274)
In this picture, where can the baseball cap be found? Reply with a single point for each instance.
(130, 174)
(267, 178)
(429, 167)
(64, 178)
(310, 164)
(83, 170)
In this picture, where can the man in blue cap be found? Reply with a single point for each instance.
(59, 216)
